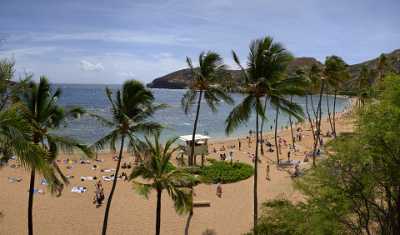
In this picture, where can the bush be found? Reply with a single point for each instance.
(224, 172)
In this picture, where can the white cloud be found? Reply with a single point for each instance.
(88, 66)
(107, 36)
(26, 51)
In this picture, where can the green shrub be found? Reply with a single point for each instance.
(224, 172)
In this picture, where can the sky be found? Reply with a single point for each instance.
(108, 42)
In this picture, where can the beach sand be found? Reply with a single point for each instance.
(74, 213)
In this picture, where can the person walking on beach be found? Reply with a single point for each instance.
(288, 156)
(99, 194)
(267, 172)
(219, 190)
(240, 145)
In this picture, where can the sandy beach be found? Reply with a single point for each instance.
(75, 213)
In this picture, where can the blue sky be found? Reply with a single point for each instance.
(98, 41)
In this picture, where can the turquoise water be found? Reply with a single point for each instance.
(92, 98)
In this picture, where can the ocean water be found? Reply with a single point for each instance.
(93, 99)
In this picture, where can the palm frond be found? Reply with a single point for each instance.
(239, 114)
(188, 100)
(110, 139)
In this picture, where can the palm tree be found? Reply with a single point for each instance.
(381, 66)
(318, 121)
(363, 83)
(267, 62)
(157, 173)
(9, 88)
(131, 108)
(316, 83)
(335, 72)
(314, 76)
(300, 83)
(278, 92)
(38, 107)
(204, 83)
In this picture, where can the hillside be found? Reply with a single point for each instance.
(180, 79)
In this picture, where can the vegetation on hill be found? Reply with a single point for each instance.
(181, 79)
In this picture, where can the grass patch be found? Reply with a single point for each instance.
(225, 172)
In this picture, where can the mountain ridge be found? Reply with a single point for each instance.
(180, 79)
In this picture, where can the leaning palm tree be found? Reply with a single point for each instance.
(263, 70)
(204, 81)
(38, 107)
(157, 173)
(131, 109)
(335, 72)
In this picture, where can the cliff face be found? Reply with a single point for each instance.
(180, 79)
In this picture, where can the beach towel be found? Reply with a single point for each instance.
(108, 170)
(39, 191)
(83, 178)
(14, 179)
(78, 189)
(108, 178)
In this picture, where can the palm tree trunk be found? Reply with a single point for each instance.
(255, 191)
(30, 202)
(36, 140)
(191, 157)
(329, 111)
(262, 128)
(318, 122)
(158, 212)
(334, 114)
(309, 119)
(313, 107)
(189, 219)
(291, 124)
(109, 200)
(276, 135)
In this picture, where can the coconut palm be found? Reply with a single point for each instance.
(316, 83)
(335, 72)
(260, 80)
(156, 173)
(278, 93)
(131, 108)
(15, 140)
(314, 76)
(318, 119)
(39, 109)
(363, 84)
(204, 83)
(300, 81)
(382, 66)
